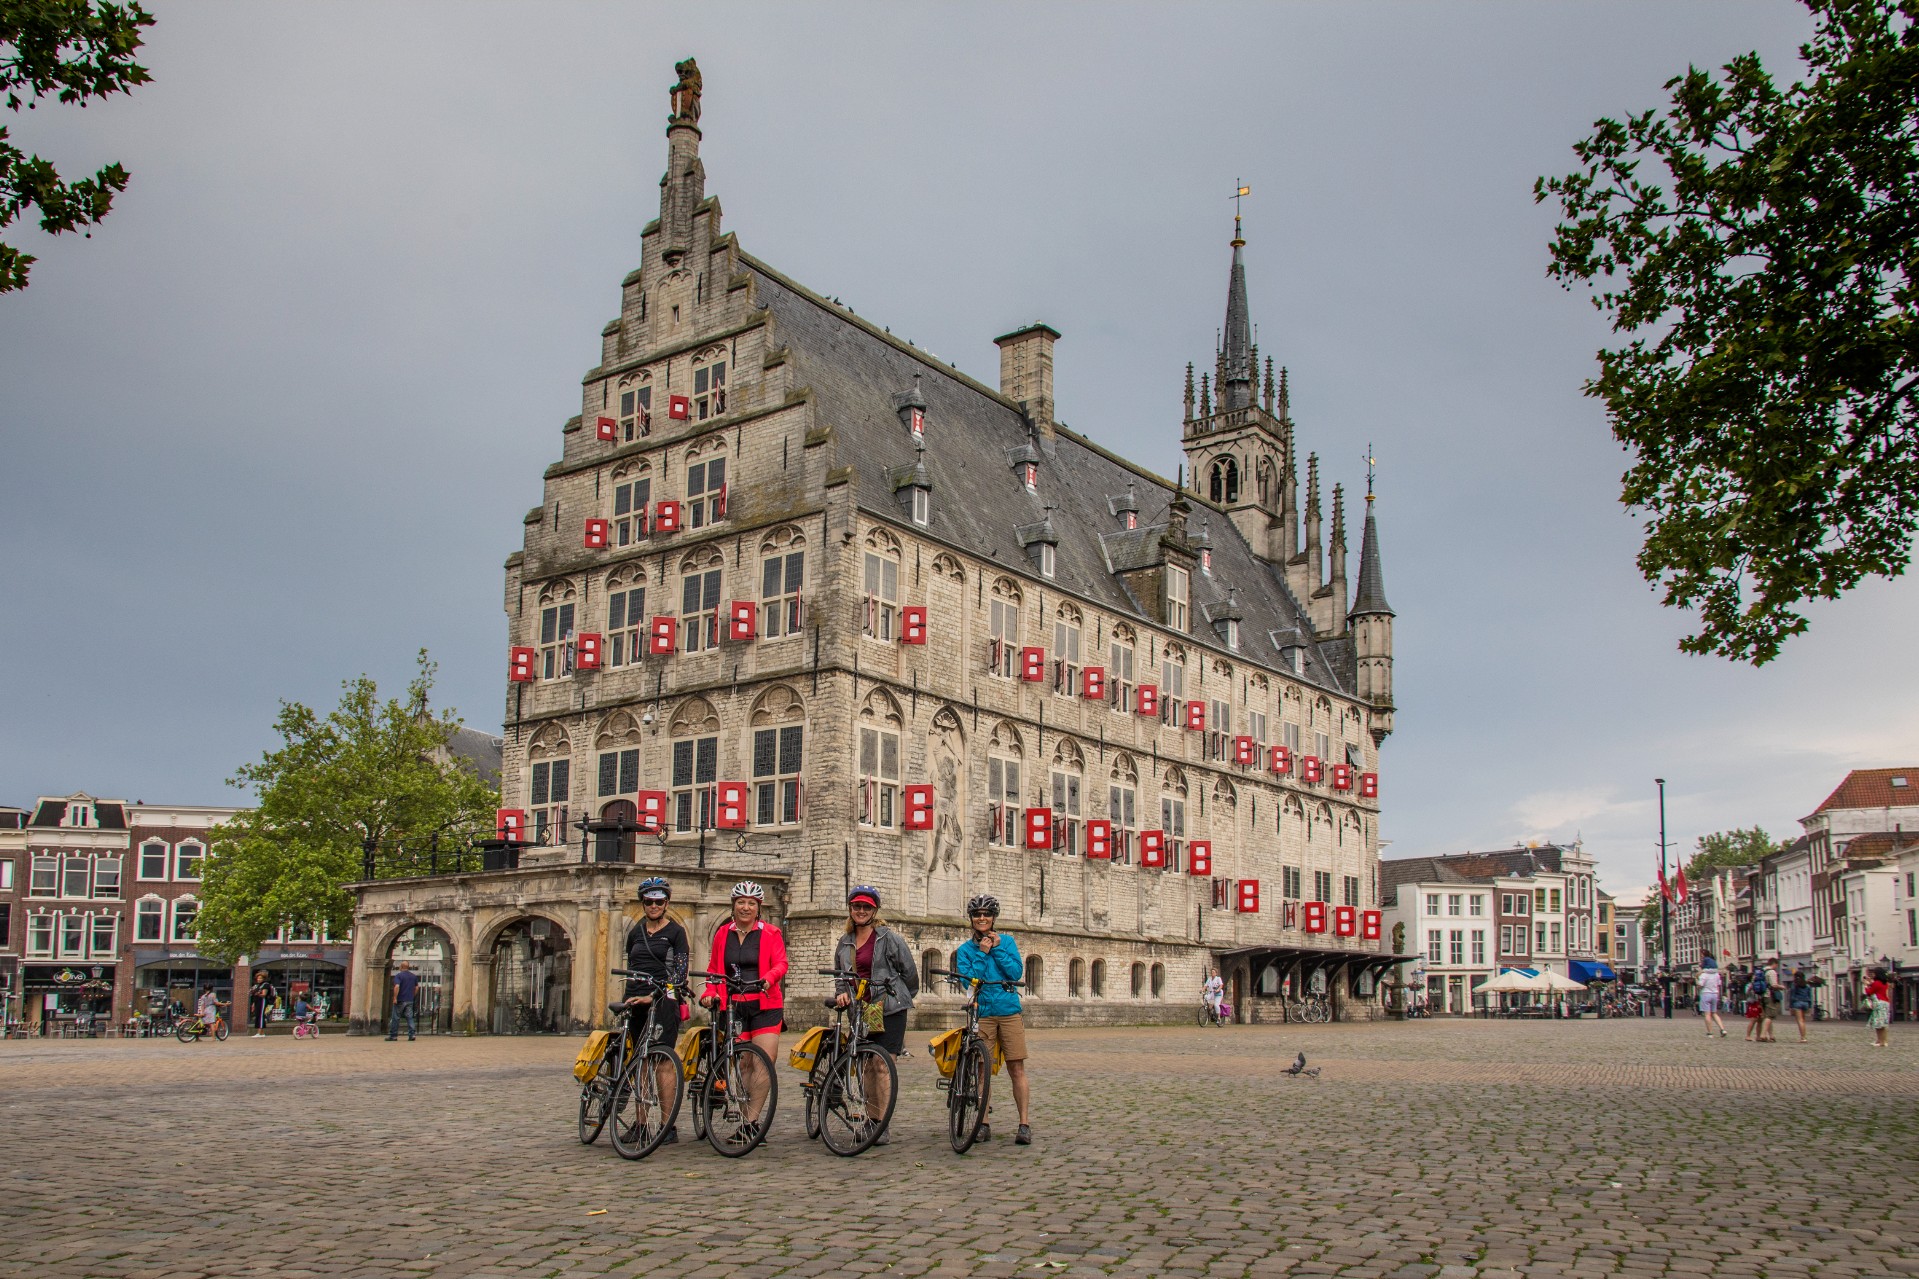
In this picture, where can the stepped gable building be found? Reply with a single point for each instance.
(805, 604)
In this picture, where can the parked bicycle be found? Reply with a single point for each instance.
(195, 1027)
(969, 1078)
(735, 1093)
(1309, 1010)
(646, 1090)
(846, 1072)
(599, 1066)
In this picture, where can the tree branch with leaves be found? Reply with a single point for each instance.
(1758, 246)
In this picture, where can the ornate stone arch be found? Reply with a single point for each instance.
(693, 716)
(778, 705)
(707, 354)
(1224, 792)
(1007, 589)
(1068, 612)
(551, 740)
(702, 558)
(1006, 740)
(947, 565)
(1222, 668)
(631, 573)
(882, 542)
(714, 443)
(559, 591)
(882, 707)
(782, 538)
(632, 469)
(947, 720)
(1124, 771)
(1173, 652)
(1223, 480)
(1124, 634)
(640, 377)
(618, 729)
(1067, 755)
(1175, 780)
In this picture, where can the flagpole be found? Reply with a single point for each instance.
(1665, 907)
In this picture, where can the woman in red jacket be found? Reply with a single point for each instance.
(754, 950)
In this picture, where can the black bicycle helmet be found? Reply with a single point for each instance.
(984, 904)
(656, 889)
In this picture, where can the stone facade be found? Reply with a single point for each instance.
(936, 585)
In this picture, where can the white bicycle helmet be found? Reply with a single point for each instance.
(747, 888)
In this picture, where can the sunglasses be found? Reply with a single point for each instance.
(864, 906)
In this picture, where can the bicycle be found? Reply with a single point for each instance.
(969, 1092)
(646, 1091)
(1219, 1014)
(306, 1027)
(837, 1110)
(195, 1026)
(1309, 1010)
(722, 1088)
(599, 1087)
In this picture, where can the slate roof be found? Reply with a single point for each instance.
(979, 504)
(482, 750)
(1464, 868)
(108, 814)
(1875, 788)
(1879, 844)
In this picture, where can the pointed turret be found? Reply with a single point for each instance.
(1336, 558)
(1236, 388)
(1370, 597)
(1371, 620)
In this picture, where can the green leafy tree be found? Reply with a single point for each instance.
(1730, 848)
(1758, 246)
(73, 51)
(370, 775)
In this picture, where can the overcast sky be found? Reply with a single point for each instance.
(276, 423)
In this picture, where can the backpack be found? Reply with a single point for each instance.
(1758, 987)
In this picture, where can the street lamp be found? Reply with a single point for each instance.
(1665, 908)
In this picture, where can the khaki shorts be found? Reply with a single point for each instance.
(1008, 1032)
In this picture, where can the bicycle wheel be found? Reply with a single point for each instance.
(731, 1090)
(814, 1089)
(968, 1095)
(186, 1034)
(1322, 1013)
(643, 1108)
(851, 1119)
(221, 1031)
(593, 1110)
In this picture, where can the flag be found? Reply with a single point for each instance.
(1245, 190)
(1679, 886)
(1665, 889)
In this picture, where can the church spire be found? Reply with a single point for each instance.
(1371, 595)
(1236, 388)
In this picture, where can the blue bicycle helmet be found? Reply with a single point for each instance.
(655, 889)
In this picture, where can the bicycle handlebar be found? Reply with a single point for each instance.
(950, 975)
(734, 985)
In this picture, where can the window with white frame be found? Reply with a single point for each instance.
(700, 607)
(1122, 809)
(1179, 588)
(185, 911)
(776, 775)
(1172, 821)
(1172, 693)
(73, 935)
(150, 919)
(79, 815)
(1066, 815)
(1066, 663)
(40, 935)
(625, 620)
(1322, 885)
(882, 597)
(1435, 946)
(1432, 903)
(1475, 905)
(1292, 883)
(1505, 939)
(922, 505)
(1558, 939)
(1256, 725)
(6, 876)
(43, 879)
(556, 636)
(1349, 890)
(879, 778)
(1453, 903)
(696, 766)
(706, 492)
(709, 389)
(636, 411)
(187, 860)
(1479, 946)
(780, 578)
(547, 795)
(1458, 947)
(1048, 559)
(76, 875)
(104, 939)
(1002, 792)
(154, 856)
(1539, 938)
(1119, 675)
(1003, 625)
(106, 877)
(632, 491)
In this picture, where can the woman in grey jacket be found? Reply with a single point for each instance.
(881, 956)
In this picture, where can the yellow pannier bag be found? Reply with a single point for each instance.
(586, 1067)
(807, 1051)
(691, 1046)
(945, 1050)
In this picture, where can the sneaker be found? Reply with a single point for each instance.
(985, 1132)
(1024, 1137)
(409, 1039)
(749, 1132)
(672, 1137)
(393, 1039)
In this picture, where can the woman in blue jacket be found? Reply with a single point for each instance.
(991, 957)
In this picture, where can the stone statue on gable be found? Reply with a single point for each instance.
(686, 93)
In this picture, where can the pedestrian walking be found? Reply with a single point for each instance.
(259, 1004)
(1879, 997)
(1799, 999)
(1756, 1007)
(1711, 981)
(406, 1003)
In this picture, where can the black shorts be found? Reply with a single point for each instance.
(893, 1037)
(664, 1011)
(751, 1019)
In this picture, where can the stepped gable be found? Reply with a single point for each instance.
(854, 373)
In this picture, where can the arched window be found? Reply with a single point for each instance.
(929, 984)
(1069, 765)
(556, 631)
(1122, 807)
(626, 615)
(882, 583)
(1076, 977)
(700, 599)
(706, 482)
(1035, 976)
(550, 782)
(1003, 757)
(1269, 980)
(1139, 980)
(1225, 482)
(709, 383)
(632, 491)
(782, 571)
(1099, 979)
(1159, 981)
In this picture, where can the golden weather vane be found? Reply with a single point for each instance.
(1240, 192)
(1371, 463)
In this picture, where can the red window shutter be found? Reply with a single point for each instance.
(640, 527)
(679, 407)
(721, 504)
(919, 421)
(998, 814)
(995, 648)
(606, 428)
(1309, 768)
(1032, 665)
(1315, 917)
(742, 620)
(1345, 919)
(1196, 716)
(1099, 838)
(1093, 683)
(664, 635)
(919, 807)
(1280, 759)
(1245, 751)
(1369, 925)
(1249, 897)
(729, 812)
(586, 652)
(1149, 699)
(1200, 857)
(519, 664)
(595, 535)
(510, 824)
(1039, 828)
(652, 805)
(666, 517)
(913, 624)
(1369, 785)
(1342, 776)
(1289, 914)
(1152, 848)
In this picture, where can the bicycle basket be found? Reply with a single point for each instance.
(691, 1046)
(586, 1067)
(808, 1050)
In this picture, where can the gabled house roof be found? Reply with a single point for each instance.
(1875, 788)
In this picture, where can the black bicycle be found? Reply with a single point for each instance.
(735, 1092)
(646, 1091)
(969, 1090)
(597, 1090)
(842, 1108)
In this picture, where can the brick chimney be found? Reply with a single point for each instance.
(1026, 372)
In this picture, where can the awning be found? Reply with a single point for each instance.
(1314, 954)
(1523, 972)
(1583, 970)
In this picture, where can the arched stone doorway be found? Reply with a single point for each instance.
(532, 979)
(430, 953)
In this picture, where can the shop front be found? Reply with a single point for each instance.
(317, 973)
(170, 982)
(66, 998)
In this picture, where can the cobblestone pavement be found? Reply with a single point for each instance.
(1425, 1149)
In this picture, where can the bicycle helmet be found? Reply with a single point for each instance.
(747, 888)
(984, 904)
(655, 889)
(864, 893)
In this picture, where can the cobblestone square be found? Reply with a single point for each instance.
(1425, 1149)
